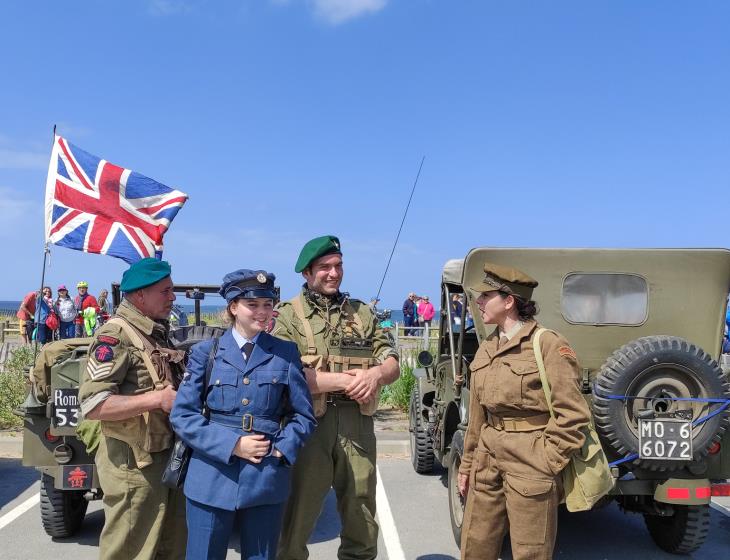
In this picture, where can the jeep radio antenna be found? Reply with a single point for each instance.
(395, 243)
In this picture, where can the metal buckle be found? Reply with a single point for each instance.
(247, 422)
(330, 399)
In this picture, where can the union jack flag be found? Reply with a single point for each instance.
(98, 207)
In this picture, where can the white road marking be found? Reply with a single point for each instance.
(715, 504)
(387, 524)
(17, 511)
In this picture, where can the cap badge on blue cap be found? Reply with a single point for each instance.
(261, 277)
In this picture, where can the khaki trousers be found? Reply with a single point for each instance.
(511, 489)
(144, 520)
(341, 455)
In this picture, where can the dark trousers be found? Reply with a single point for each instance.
(43, 334)
(210, 528)
(408, 321)
(67, 330)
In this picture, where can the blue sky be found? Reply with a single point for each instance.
(544, 124)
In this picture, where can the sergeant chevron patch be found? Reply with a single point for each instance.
(98, 371)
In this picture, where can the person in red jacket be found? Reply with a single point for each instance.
(83, 301)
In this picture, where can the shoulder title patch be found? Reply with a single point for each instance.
(110, 340)
(567, 352)
(103, 353)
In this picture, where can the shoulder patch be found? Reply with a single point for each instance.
(567, 352)
(110, 340)
(103, 353)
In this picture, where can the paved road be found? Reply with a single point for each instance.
(417, 528)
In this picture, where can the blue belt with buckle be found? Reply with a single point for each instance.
(248, 422)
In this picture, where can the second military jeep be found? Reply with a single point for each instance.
(51, 418)
(647, 327)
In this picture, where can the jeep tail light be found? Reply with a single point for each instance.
(714, 448)
(50, 437)
(722, 489)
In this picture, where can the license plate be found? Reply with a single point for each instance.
(65, 408)
(668, 439)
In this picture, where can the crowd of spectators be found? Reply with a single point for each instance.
(43, 318)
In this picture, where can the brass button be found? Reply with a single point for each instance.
(539, 435)
(217, 381)
(246, 381)
(244, 402)
(275, 380)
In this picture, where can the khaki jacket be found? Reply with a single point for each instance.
(506, 382)
(117, 367)
(328, 327)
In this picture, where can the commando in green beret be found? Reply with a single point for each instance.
(317, 247)
(144, 273)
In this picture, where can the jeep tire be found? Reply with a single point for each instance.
(421, 442)
(456, 501)
(682, 532)
(62, 511)
(657, 367)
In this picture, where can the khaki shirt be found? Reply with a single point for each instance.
(506, 382)
(328, 325)
(115, 366)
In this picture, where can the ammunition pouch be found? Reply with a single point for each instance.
(147, 433)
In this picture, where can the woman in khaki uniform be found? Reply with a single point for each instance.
(514, 452)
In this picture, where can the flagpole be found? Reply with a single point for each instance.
(46, 252)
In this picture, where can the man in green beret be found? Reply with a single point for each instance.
(349, 359)
(129, 386)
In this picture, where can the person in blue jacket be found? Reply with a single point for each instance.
(260, 415)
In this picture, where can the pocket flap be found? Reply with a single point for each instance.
(224, 378)
(479, 363)
(272, 377)
(522, 367)
(528, 486)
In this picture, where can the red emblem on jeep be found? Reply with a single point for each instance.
(76, 478)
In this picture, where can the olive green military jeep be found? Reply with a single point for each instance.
(647, 326)
(52, 424)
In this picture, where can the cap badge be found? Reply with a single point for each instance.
(492, 282)
(336, 244)
(261, 277)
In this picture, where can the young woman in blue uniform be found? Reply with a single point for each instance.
(238, 476)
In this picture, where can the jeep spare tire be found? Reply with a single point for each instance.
(657, 369)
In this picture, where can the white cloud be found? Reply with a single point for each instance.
(335, 12)
(23, 159)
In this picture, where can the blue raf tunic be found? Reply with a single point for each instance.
(244, 398)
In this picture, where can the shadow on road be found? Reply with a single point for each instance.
(16, 479)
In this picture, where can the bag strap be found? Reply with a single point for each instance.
(137, 342)
(208, 373)
(541, 367)
(298, 306)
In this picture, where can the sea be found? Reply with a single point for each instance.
(10, 307)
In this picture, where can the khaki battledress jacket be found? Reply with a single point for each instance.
(514, 451)
(144, 520)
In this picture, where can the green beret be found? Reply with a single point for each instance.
(317, 247)
(144, 273)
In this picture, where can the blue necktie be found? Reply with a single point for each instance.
(247, 349)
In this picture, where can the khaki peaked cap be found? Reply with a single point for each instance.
(506, 279)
